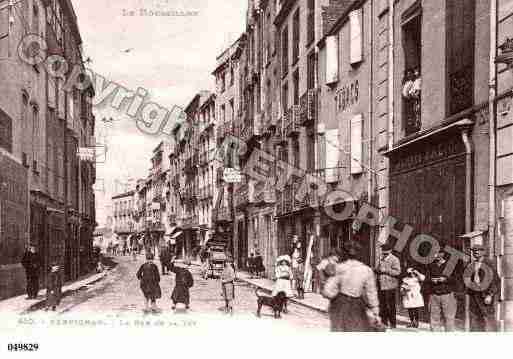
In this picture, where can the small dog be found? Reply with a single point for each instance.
(277, 303)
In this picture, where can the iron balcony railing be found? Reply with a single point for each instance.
(292, 126)
(279, 133)
(309, 105)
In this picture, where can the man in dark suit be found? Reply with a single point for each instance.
(481, 280)
(31, 263)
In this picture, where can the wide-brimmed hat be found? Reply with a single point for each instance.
(285, 258)
(352, 248)
(387, 247)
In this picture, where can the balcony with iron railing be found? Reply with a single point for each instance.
(252, 128)
(224, 214)
(279, 133)
(190, 195)
(157, 197)
(270, 123)
(241, 196)
(175, 181)
(265, 193)
(190, 221)
(190, 165)
(205, 192)
(291, 121)
(220, 132)
(309, 105)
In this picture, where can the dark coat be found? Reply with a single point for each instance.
(259, 263)
(165, 255)
(490, 287)
(183, 282)
(54, 289)
(32, 263)
(149, 276)
(348, 314)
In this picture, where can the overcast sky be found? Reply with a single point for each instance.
(170, 56)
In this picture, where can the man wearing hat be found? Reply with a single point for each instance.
(442, 302)
(388, 271)
(227, 284)
(482, 287)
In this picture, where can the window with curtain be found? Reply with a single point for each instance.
(4, 33)
(295, 34)
(310, 22)
(311, 70)
(284, 51)
(35, 132)
(284, 98)
(296, 87)
(35, 19)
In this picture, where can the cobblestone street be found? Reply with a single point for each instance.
(119, 295)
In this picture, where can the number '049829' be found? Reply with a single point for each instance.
(22, 347)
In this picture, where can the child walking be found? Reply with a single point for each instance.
(54, 288)
(412, 296)
(148, 274)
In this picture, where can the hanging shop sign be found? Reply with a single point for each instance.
(231, 175)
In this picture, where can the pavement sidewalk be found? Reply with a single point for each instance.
(19, 304)
(315, 301)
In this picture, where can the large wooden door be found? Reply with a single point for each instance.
(427, 191)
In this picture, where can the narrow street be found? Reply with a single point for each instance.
(118, 295)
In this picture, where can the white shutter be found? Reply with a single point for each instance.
(356, 144)
(332, 155)
(356, 44)
(52, 95)
(331, 59)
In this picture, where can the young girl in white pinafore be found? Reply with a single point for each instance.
(412, 296)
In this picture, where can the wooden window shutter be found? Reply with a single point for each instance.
(331, 59)
(332, 155)
(356, 44)
(356, 144)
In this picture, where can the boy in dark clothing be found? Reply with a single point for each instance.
(54, 288)
(442, 302)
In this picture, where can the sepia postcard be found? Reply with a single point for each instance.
(254, 168)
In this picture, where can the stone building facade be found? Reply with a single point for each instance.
(44, 127)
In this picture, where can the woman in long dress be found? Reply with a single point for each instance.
(148, 275)
(354, 305)
(183, 282)
(228, 286)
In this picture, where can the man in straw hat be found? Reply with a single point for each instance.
(388, 271)
(482, 287)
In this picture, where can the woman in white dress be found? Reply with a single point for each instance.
(412, 296)
(284, 276)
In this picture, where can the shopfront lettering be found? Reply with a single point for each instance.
(428, 154)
